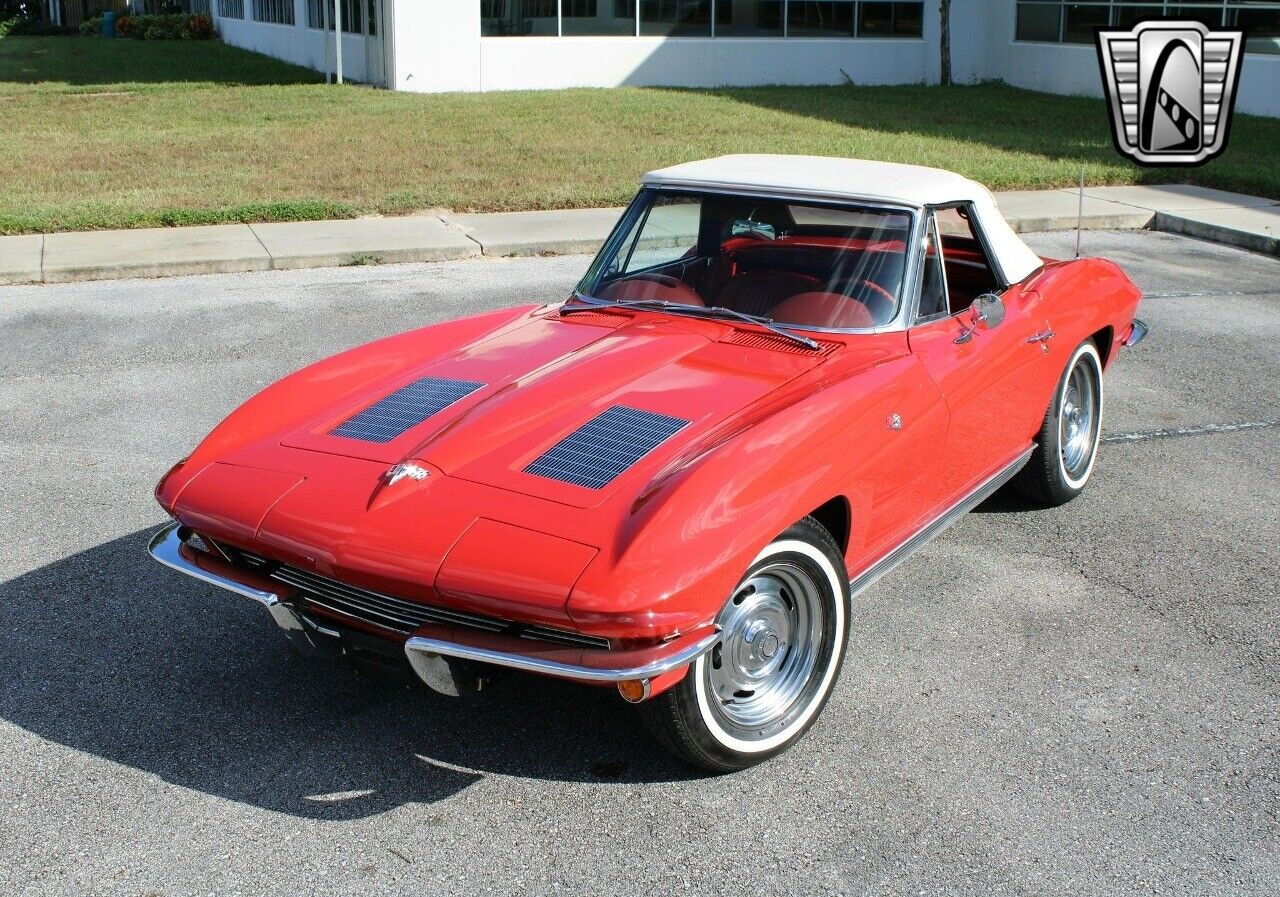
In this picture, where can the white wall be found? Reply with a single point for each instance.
(295, 43)
(437, 46)
(513, 63)
(1073, 68)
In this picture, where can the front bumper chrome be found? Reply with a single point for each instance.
(165, 546)
(428, 644)
(578, 664)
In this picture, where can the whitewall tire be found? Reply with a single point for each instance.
(783, 636)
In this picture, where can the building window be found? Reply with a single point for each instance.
(828, 18)
(702, 18)
(1061, 21)
(231, 9)
(748, 18)
(507, 18)
(318, 16)
(675, 18)
(275, 12)
(598, 18)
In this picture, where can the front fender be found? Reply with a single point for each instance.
(682, 547)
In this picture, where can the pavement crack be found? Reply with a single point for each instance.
(454, 226)
(1201, 430)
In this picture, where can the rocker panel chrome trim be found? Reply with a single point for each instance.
(935, 527)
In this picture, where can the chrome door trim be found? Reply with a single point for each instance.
(935, 527)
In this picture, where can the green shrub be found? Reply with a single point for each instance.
(91, 27)
(200, 27)
(171, 27)
(35, 28)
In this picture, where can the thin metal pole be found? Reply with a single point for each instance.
(1080, 212)
(337, 37)
(324, 26)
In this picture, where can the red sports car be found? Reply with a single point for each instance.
(779, 378)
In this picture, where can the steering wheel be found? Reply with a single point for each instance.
(880, 303)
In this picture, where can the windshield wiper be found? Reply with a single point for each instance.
(705, 311)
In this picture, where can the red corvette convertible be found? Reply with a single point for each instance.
(779, 377)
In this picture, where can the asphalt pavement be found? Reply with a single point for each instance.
(1077, 701)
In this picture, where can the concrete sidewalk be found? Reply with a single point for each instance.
(1232, 218)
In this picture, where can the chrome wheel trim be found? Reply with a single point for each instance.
(781, 708)
(1080, 416)
(771, 632)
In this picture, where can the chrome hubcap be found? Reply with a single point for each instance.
(1077, 424)
(771, 634)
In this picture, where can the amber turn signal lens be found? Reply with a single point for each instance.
(634, 690)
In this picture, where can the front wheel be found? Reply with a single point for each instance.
(783, 634)
(1067, 446)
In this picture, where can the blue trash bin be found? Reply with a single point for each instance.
(108, 24)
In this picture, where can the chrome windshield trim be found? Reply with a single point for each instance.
(418, 646)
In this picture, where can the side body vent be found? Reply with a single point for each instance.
(405, 408)
(605, 446)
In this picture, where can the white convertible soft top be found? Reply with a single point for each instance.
(823, 177)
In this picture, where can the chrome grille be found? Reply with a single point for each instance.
(400, 615)
(404, 409)
(601, 449)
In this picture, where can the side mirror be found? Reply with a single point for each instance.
(987, 311)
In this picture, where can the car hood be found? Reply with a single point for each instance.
(533, 385)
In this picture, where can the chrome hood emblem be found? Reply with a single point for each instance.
(406, 470)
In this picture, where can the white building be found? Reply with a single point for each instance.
(474, 45)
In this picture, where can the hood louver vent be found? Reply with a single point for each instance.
(605, 446)
(404, 409)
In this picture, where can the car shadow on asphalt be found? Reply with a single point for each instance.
(111, 654)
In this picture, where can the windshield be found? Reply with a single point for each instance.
(796, 263)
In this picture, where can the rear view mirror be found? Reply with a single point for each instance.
(745, 227)
(986, 312)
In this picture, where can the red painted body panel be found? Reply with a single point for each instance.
(774, 433)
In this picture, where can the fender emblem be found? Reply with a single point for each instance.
(403, 471)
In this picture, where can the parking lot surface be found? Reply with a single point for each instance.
(1077, 701)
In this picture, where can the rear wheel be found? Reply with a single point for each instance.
(783, 634)
(1067, 446)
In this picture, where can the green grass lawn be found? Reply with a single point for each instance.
(101, 134)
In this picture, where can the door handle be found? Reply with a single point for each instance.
(1042, 337)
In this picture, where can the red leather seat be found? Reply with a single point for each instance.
(757, 292)
(819, 309)
(652, 286)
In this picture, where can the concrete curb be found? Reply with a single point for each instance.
(1257, 232)
(1234, 219)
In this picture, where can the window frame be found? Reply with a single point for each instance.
(931, 227)
(1158, 9)
(993, 263)
(855, 34)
